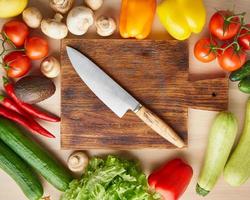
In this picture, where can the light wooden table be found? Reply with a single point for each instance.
(199, 121)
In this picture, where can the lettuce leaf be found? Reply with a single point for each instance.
(112, 178)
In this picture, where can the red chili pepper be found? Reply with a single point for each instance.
(10, 104)
(9, 88)
(22, 121)
(172, 179)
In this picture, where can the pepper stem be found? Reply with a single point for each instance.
(2, 97)
(201, 191)
(5, 80)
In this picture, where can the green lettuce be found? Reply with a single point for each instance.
(110, 179)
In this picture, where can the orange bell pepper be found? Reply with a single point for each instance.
(136, 18)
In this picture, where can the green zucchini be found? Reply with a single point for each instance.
(21, 172)
(241, 73)
(244, 85)
(237, 170)
(221, 140)
(34, 155)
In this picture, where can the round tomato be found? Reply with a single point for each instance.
(36, 48)
(204, 50)
(232, 58)
(16, 64)
(222, 27)
(244, 39)
(16, 31)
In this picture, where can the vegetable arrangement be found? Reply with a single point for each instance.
(113, 177)
(229, 42)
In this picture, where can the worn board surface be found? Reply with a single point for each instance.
(153, 71)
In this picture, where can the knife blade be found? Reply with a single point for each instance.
(115, 97)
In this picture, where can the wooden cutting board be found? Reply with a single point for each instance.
(155, 72)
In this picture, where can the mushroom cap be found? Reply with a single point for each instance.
(94, 4)
(106, 26)
(54, 28)
(32, 17)
(50, 67)
(78, 161)
(61, 6)
(79, 20)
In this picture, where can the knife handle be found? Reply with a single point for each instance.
(159, 126)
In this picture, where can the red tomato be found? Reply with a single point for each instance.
(218, 28)
(36, 48)
(16, 31)
(16, 64)
(231, 59)
(244, 39)
(203, 50)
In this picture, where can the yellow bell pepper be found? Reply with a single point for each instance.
(182, 17)
(12, 8)
(136, 18)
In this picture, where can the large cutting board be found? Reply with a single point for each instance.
(153, 71)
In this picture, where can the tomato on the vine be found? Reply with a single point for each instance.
(224, 25)
(16, 64)
(36, 47)
(232, 58)
(244, 38)
(204, 50)
(16, 31)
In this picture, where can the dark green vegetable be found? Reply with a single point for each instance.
(110, 179)
(241, 73)
(34, 89)
(244, 85)
(34, 155)
(21, 172)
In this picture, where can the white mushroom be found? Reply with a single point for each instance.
(94, 4)
(54, 28)
(61, 6)
(79, 20)
(32, 17)
(50, 67)
(78, 161)
(105, 26)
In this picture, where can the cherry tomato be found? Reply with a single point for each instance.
(16, 31)
(232, 58)
(244, 39)
(36, 48)
(203, 50)
(223, 28)
(16, 64)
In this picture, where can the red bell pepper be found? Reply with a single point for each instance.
(172, 179)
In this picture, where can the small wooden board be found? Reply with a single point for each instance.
(155, 72)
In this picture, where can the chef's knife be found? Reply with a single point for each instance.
(116, 98)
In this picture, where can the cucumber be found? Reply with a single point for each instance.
(34, 155)
(244, 85)
(237, 170)
(241, 73)
(21, 172)
(221, 140)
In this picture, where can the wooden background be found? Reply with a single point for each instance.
(198, 121)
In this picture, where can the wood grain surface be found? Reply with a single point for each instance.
(155, 72)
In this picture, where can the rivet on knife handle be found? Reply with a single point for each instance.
(159, 126)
